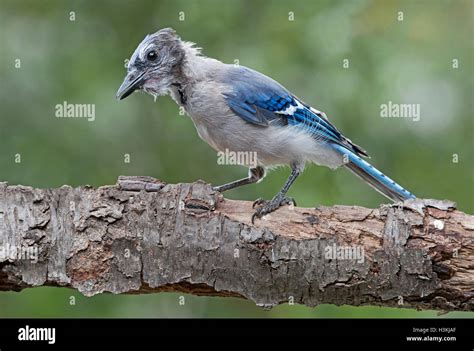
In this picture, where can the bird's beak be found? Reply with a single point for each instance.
(132, 82)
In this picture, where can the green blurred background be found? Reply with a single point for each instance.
(82, 61)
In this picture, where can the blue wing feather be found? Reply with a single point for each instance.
(260, 100)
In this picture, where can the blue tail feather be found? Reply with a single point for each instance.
(374, 177)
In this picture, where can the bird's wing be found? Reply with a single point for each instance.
(262, 101)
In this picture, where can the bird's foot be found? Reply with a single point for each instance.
(267, 206)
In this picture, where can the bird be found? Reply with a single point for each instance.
(236, 108)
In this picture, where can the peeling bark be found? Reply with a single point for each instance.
(142, 235)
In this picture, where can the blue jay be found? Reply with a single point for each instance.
(236, 108)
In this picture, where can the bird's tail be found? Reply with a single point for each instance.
(374, 177)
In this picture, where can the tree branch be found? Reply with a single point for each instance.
(143, 235)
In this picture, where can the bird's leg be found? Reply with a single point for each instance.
(255, 174)
(279, 199)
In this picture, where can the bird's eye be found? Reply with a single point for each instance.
(152, 56)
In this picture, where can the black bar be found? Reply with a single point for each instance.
(318, 334)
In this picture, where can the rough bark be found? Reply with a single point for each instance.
(142, 235)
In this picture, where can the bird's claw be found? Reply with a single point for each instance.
(258, 202)
(266, 207)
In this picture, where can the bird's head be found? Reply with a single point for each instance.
(154, 65)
